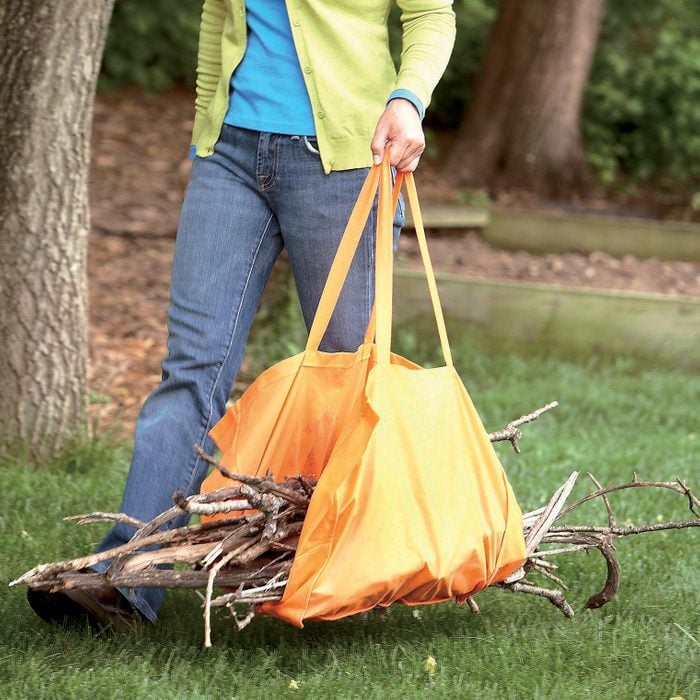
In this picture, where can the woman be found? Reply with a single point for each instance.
(295, 100)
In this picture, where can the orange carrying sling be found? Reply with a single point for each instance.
(412, 503)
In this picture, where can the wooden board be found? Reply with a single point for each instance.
(441, 216)
(539, 232)
(659, 328)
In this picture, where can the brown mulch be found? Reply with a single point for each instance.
(139, 171)
(467, 253)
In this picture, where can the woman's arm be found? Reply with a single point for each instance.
(428, 38)
(209, 53)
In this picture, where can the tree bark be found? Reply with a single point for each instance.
(49, 61)
(522, 127)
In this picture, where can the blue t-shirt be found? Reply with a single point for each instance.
(268, 92)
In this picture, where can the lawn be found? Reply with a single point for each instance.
(615, 417)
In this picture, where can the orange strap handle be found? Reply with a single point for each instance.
(372, 325)
(380, 320)
(384, 280)
(428, 266)
(343, 258)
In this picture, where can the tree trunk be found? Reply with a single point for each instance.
(49, 61)
(522, 127)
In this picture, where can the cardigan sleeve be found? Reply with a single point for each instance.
(209, 53)
(428, 35)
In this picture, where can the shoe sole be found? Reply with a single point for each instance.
(77, 607)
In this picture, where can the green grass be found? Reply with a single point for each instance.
(615, 417)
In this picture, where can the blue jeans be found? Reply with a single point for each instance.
(259, 192)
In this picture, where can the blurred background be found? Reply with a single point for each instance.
(640, 119)
(563, 148)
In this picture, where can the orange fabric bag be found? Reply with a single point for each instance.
(411, 504)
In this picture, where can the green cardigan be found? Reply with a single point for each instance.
(343, 50)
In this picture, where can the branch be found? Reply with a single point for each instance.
(264, 485)
(678, 486)
(511, 432)
(98, 517)
(553, 596)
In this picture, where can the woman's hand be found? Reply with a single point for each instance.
(400, 127)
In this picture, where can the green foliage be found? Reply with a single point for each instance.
(151, 44)
(642, 109)
(614, 417)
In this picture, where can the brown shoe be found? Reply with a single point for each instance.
(101, 608)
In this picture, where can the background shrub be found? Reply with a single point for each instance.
(151, 44)
(642, 109)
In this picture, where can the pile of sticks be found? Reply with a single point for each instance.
(249, 555)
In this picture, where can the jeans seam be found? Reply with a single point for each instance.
(275, 161)
(267, 181)
(226, 355)
(260, 179)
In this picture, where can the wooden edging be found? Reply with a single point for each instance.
(545, 232)
(539, 232)
(658, 328)
(451, 216)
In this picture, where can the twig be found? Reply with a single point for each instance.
(216, 508)
(511, 432)
(265, 485)
(208, 595)
(549, 515)
(251, 594)
(628, 530)
(677, 486)
(612, 583)
(242, 622)
(611, 516)
(544, 571)
(97, 517)
(158, 539)
(473, 605)
(553, 596)
(157, 578)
